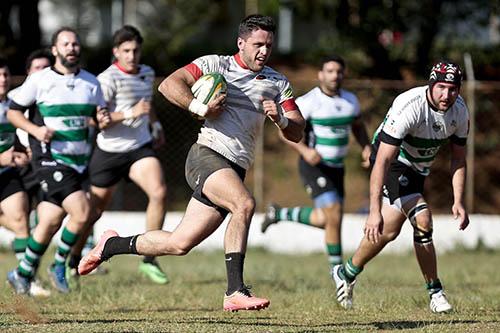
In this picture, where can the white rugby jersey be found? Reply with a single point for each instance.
(7, 131)
(234, 132)
(21, 135)
(329, 121)
(121, 92)
(64, 103)
(421, 128)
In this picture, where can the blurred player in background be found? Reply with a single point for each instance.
(217, 162)
(36, 61)
(125, 148)
(66, 98)
(418, 123)
(330, 113)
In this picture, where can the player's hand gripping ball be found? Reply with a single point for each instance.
(209, 87)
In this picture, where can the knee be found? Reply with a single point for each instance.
(332, 214)
(178, 249)
(391, 235)
(159, 194)
(247, 207)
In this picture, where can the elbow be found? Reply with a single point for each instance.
(163, 88)
(294, 137)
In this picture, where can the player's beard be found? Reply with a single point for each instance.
(69, 64)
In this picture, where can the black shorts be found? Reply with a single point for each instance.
(321, 178)
(106, 169)
(402, 180)
(201, 162)
(58, 182)
(10, 183)
(30, 182)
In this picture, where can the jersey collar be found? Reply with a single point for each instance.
(57, 72)
(240, 62)
(117, 64)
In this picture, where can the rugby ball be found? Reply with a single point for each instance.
(209, 87)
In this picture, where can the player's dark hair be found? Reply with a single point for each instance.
(255, 22)
(37, 54)
(333, 57)
(62, 29)
(3, 63)
(126, 33)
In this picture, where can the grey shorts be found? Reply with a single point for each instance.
(201, 162)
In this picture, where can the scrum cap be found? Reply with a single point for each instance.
(444, 71)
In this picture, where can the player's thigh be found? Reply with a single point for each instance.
(225, 188)
(393, 220)
(199, 221)
(15, 206)
(100, 197)
(147, 173)
(77, 205)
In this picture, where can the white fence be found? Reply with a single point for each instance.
(289, 237)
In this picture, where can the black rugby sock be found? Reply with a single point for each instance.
(234, 268)
(119, 245)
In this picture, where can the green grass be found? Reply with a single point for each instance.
(389, 296)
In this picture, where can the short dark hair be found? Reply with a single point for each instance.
(333, 57)
(126, 33)
(62, 29)
(37, 54)
(3, 63)
(255, 22)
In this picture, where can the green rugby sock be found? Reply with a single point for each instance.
(295, 214)
(434, 286)
(19, 246)
(67, 240)
(29, 264)
(350, 270)
(334, 254)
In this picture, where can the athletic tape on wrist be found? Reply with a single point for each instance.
(128, 114)
(198, 107)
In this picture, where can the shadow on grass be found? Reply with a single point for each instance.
(408, 324)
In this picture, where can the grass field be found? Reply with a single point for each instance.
(389, 296)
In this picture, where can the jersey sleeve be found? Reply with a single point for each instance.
(304, 107)
(462, 131)
(400, 119)
(203, 65)
(25, 95)
(107, 87)
(285, 96)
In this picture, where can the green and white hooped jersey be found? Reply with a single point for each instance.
(420, 129)
(7, 131)
(329, 121)
(121, 92)
(64, 103)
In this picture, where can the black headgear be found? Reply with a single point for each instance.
(444, 71)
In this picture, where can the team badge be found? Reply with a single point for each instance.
(58, 176)
(321, 181)
(403, 181)
(437, 126)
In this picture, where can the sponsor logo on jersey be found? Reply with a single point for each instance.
(288, 93)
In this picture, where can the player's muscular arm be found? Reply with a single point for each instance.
(374, 224)
(18, 120)
(310, 155)
(177, 88)
(458, 171)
